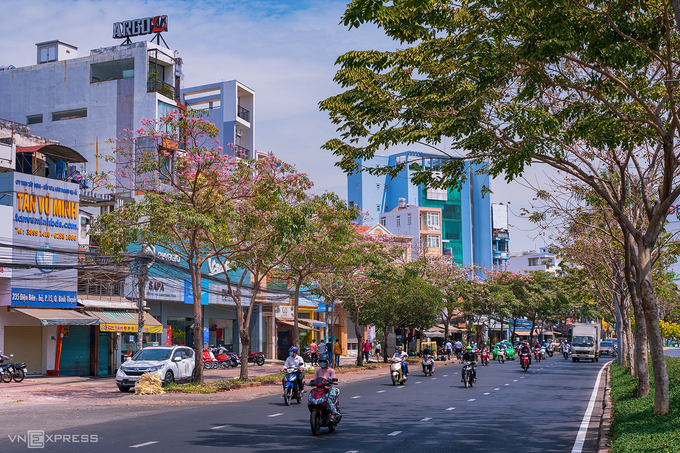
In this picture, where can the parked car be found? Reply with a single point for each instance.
(170, 363)
(607, 347)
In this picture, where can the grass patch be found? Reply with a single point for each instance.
(635, 427)
(191, 387)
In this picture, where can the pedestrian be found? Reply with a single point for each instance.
(321, 348)
(312, 352)
(378, 346)
(337, 351)
(366, 349)
(448, 348)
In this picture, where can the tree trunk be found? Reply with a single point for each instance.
(621, 360)
(198, 322)
(629, 344)
(296, 302)
(384, 348)
(360, 335)
(244, 328)
(650, 308)
(447, 323)
(640, 351)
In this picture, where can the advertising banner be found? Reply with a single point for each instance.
(44, 240)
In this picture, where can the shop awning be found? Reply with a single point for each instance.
(57, 317)
(108, 304)
(290, 322)
(314, 322)
(123, 321)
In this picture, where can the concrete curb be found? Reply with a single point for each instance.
(603, 441)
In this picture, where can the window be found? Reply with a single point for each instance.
(432, 220)
(398, 221)
(377, 207)
(383, 222)
(69, 114)
(34, 119)
(177, 354)
(112, 70)
(377, 186)
(431, 241)
(533, 261)
(408, 219)
(350, 204)
(164, 109)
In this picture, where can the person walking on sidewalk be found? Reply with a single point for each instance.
(312, 352)
(378, 347)
(448, 348)
(366, 349)
(337, 351)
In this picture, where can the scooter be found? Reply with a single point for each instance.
(291, 388)
(222, 357)
(319, 412)
(256, 357)
(550, 349)
(19, 371)
(6, 369)
(544, 355)
(500, 356)
(524, 361)
(485, 357)
(209, 360)
(537, 354)
(468, 380)
(428, 365)
(397, 373)
(565, 353)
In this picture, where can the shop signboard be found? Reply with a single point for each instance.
(284, 312)
(133, 328)
(217, 295)
(6, 213)
(156, 288)
(169, 335)
(189, 292)
(44, 239)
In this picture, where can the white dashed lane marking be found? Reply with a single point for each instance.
(514, 380)
(434, 378)
(144, 444)
(381, 391)
(471, 399)
(418, 382)
(446, 375)
(220, 427)
(450, 408)
(394, 433)
(426, 419)
(498, 388)
(507, 384)
(487, 393)
(274, 415)
(355, 397)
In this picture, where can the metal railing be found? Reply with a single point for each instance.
(243, 113)
(158, 86)
(240, 151)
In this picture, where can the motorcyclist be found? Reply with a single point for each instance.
(295, 361)
(326, 372)
(401, 355)
(427, 351)
(525, 349)
(470, 356)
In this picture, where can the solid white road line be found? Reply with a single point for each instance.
(274, 415)
(394, 433)
(426, 419)
(450, 408)
(144, 444)
(381, 391)
(583, 430)
(220, 427)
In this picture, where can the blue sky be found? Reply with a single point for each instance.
(284, 50)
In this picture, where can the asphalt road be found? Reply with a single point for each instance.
(675, 352)
(508, 410)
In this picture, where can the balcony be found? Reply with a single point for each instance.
(158, 86)
(240, 151)
(243, 113)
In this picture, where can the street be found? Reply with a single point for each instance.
(508, 410)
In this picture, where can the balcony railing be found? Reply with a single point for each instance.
(240, 151)
(243, 113)
(158, 86)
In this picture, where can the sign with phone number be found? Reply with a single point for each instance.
(23, 297)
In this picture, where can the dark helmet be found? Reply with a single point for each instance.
(323, 360)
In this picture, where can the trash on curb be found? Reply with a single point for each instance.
(149, 384)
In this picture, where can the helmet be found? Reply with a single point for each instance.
(401, 348)
(293, 349)
(469, 348)
(323, 360)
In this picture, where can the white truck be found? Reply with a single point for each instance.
(585, 342)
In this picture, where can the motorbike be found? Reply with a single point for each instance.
(550, 349)
(18, 371)
(428, 365)
(319, 412)
(397, 373)
(222, 357)
(544, 355)
(291, 386)
(468, 380)
(485, 357)
(537, 354)
(307, 354)
(209, 360)
(500, 356)
(524, 361)
(256, 357)
(6, 372)
(565, 353)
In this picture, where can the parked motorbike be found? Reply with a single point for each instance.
(7, 369)
(307, 354)
(234, 359)
(18, 371)
(397, 373)
(256, 357)
(468, 380)
(428, 365)
(485, 357)
(319, 412)
(291, 386)
(524, 361)
(222, 357)
(209, 360)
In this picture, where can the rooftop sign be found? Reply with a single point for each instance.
(138, 27)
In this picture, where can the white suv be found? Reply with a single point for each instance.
(170, 363)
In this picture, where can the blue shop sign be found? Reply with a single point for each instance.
(23, 297)
(189, 292)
